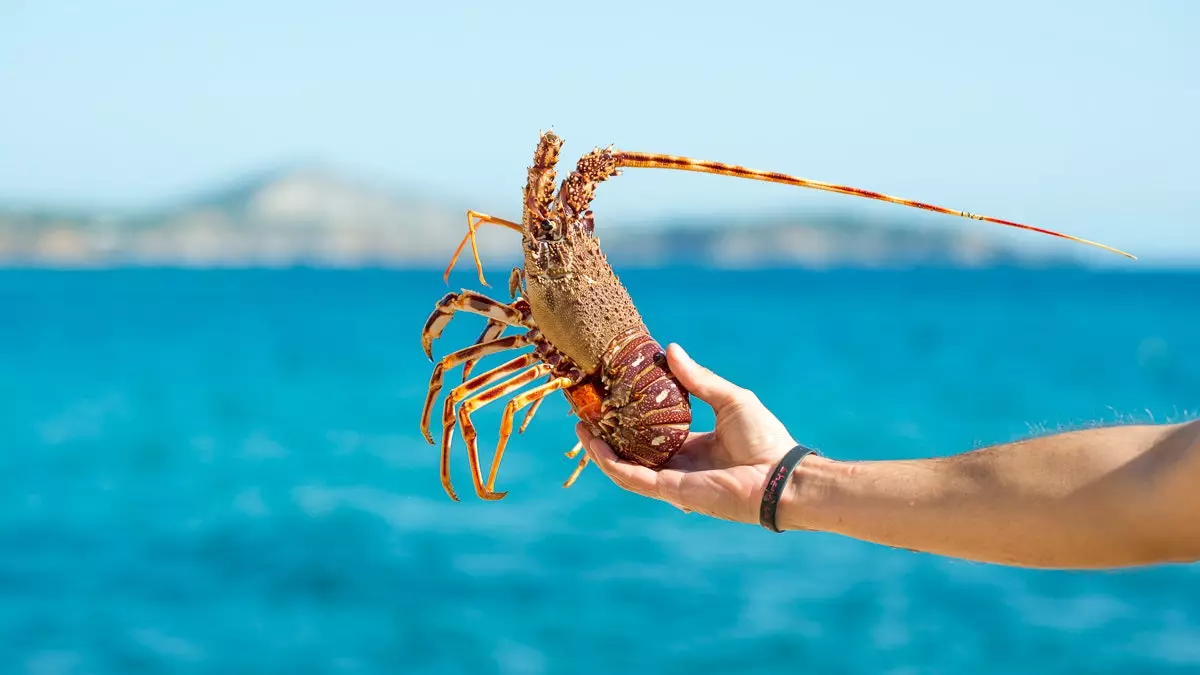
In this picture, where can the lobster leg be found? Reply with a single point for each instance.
(514, 282)
(579, 467)
(535, 396)
(470, 437)
(471, 225)
(469, 301)
(491, 332)
(494, 328)
(468, 354)
(529, 415)
(463, 391)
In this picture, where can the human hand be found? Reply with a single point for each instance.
(720, 473)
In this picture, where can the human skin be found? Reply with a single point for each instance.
(1106, 497)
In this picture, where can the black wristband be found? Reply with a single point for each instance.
(775, 483)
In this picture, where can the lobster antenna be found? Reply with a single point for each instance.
(654, 161)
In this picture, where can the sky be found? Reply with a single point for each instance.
(1075, 116)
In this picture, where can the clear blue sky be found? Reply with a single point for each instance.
(1080, 116)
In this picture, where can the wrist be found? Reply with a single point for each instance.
(808, 491)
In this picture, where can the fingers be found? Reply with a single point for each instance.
(632, 477)
(702, 382)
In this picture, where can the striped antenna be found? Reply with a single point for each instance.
(654, 161)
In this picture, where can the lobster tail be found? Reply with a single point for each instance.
(646, 413)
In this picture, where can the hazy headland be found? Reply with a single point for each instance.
(308, 216)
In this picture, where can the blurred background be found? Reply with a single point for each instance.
(223, 225)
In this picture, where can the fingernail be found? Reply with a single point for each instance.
(683, 353)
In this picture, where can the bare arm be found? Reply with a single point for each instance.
(1106, 497)
(1096, 498)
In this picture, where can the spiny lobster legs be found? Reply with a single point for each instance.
(627, 399)
(475, 392)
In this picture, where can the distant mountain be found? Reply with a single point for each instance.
(315, 216)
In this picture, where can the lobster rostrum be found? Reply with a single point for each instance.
(588, 338)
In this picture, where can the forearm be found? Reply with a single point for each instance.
(1106, 497)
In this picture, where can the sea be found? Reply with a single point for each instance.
(222, 471)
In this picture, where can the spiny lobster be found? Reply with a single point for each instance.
(588, 337)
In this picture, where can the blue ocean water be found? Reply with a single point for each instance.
(223, 472)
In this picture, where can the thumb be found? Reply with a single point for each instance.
(700, 381)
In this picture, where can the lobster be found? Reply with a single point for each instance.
(587, 336)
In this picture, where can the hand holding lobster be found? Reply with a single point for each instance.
(719, 473)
